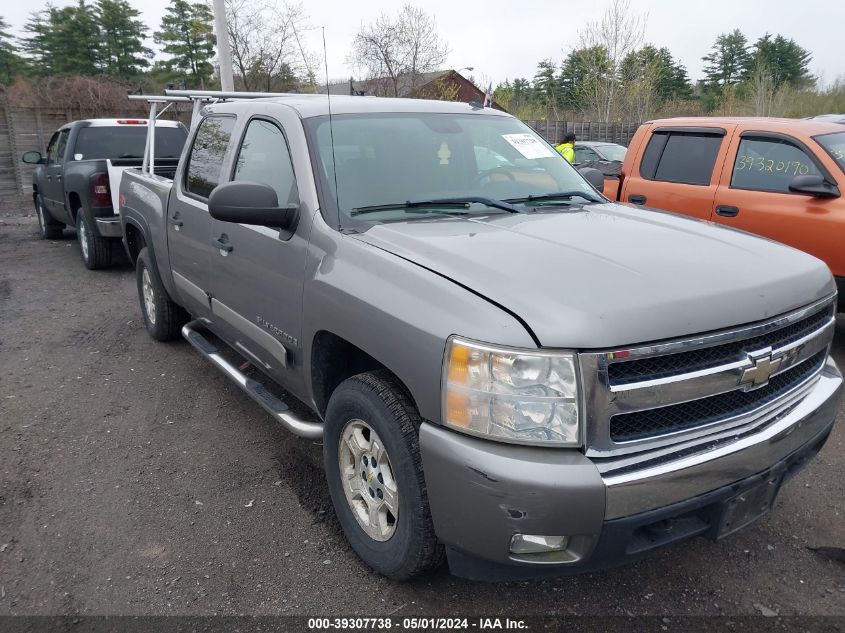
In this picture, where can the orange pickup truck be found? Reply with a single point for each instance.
(780, 178)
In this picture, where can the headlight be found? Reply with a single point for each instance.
(511, 395)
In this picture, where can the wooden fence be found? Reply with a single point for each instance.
(554, 131)
(24, 129)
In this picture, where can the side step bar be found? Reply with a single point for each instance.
(254, 389)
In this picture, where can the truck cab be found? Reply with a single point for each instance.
(779, 178)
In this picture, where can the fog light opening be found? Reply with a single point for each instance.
(535, 544)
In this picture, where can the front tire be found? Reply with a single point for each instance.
(95, 250)
(47, 226)
(374, 470)
(162, 317)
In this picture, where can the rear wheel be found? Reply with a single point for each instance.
(162, 317)
(95, 250)
(375, 477)
(49, 228)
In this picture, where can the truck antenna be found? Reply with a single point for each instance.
(331, 128)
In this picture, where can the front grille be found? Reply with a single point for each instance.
(654, 367)
(679, 417)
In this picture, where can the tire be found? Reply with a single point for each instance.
(162, 317)
(409, 547)
(95, 250)
(49, 228)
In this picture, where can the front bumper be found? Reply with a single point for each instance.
(481, 493)
(109, 226)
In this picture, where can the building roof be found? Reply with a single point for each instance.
(371, 86)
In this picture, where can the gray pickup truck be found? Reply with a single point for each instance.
(72, 185)
(506, 369)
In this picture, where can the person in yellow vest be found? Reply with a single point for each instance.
(567, 148)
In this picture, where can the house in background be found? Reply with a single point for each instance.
(445, 85)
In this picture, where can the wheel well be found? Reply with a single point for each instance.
(75, 204)
(333, 360)
(134, 241)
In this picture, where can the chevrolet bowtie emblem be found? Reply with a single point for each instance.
(762, 369)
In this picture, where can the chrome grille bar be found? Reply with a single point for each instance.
(603, 399)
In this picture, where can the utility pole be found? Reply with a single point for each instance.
(224, 53)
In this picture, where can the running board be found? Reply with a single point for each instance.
(254, 389)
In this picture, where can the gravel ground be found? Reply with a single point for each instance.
(134, 479)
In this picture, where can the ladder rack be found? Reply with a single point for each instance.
(198, 98)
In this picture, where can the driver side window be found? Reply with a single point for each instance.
(51, 149)
(769, 164)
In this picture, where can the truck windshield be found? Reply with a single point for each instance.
(835, 146)
(387, 159)
(117, 141)
(612, 152)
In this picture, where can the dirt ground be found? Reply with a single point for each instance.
(134, 479)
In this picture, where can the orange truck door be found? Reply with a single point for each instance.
(754, 195)
(678, 169)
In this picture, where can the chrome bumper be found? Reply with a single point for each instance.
(669, 482)
(109, 226)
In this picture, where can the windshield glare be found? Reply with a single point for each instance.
(835, 146)
(387, 158)
(612, 152)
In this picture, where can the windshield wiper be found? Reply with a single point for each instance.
(463, 202)
(559, 195)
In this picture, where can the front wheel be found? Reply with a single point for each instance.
(95, 249)
(49, 228)
(374, 469)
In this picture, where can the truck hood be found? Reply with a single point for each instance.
(611, 275)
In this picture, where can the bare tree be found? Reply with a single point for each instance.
(395, 52)
(611, 39)
(765, 96)
(265, 42)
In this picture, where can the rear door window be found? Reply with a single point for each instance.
(205, 161)
(681, 157)
(769, 164)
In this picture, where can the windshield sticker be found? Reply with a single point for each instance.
(528, 145)
(444, 153)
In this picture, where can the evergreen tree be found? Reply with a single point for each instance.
(11, 64)
(64, 41)
(122, 34)
(187, 35)
(545, 86)
(729, 60)
(784, 60)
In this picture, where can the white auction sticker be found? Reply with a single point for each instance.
(528, 145)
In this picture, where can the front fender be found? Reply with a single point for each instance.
(396, 311)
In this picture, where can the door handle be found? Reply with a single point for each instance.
(59, 177)
(636, 199)
(222, 244)
(175, 221)
(727, 211)
(49, 178)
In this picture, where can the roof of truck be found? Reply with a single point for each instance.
(806, 126)
(318, 105)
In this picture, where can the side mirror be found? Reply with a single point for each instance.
(245, 202)
(32, 158)
(594, 177)
(814, 185)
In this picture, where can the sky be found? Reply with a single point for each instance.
(504, 39)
